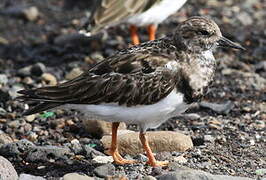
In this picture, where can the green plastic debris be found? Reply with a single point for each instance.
(92, 145)
(47, 114)
(260, 172)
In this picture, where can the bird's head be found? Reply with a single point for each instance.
(200, 34)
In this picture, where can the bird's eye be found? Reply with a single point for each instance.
(204, 32)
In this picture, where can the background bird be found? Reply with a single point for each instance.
(137, 13)
(145, 84)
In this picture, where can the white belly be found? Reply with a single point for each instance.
(157, 13)
(147, 116)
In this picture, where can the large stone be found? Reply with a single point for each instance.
(99, 128)
(105, 170)
(7, 171)
(159, 141)
(76, 176)
(47, 153)
(196, 175)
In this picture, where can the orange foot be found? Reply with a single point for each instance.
(158, 163)
(119, 160)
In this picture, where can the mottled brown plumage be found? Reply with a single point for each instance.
(144, 84)
(139, 75)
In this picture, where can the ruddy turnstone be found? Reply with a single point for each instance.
(145, 84)
(137, 13)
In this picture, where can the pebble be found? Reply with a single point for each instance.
(30, 118)
(103, 159)
(49, 79)
(37, 69)
(76, 146)
(31, 13)
(73, 73)
(76, 176)
(159, 141)
(105, 170)
(7, 171)
(209, 138)
(180, 159)
(30, 177)
(5, 139)
(3, 79)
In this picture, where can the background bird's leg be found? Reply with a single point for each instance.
(134, 34)
(152, 31)
(151, 161)
(113, 150)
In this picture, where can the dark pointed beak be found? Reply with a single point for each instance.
(224, 42)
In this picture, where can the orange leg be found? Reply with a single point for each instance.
(113, 150)
(152, 30)
(149, 153)
(134, 34)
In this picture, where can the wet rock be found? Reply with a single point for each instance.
(224, 108)
(74, 73)
(159, 141)
(99, 128)
(77, 176)
(48, 153)
(49, 79)
(4, 138)
(17, 148)
(102, 159)
(30, 177)
(196, 175)
(7, 171)
(104, 170)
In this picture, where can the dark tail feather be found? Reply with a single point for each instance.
(41, 107)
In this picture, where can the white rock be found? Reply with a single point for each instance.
(76, 176)
(7, 170)
(30, 177)
(102, 159)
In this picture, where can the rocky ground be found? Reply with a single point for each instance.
(39, 46)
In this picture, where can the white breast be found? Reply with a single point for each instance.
(208, 55)
(157, 13)
(147, 116)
